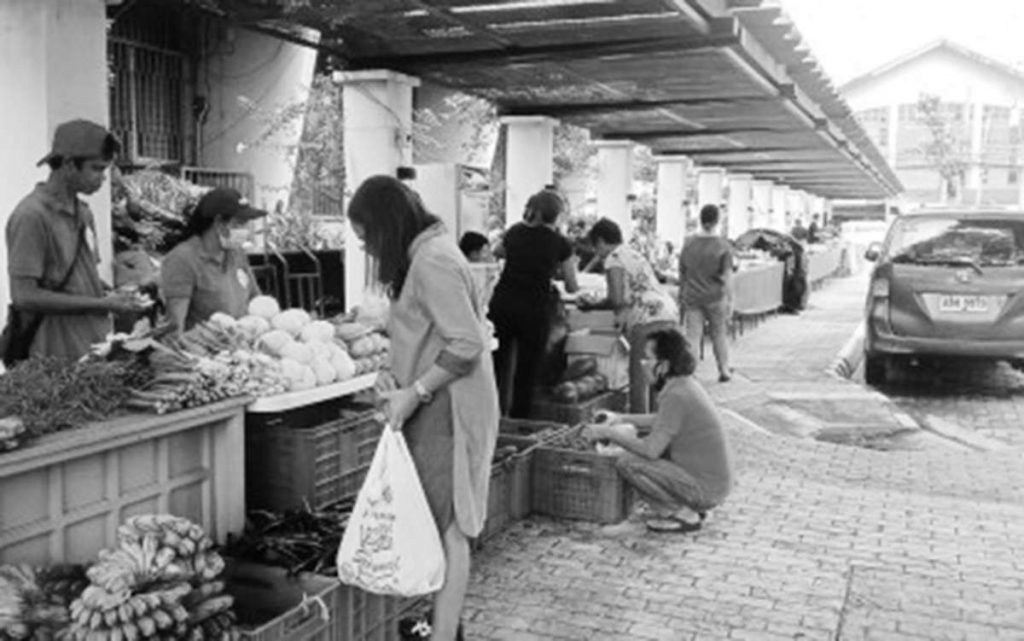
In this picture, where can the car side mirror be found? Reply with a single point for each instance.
(873, 252)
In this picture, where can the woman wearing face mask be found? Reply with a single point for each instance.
(208, 271)
(681, 468)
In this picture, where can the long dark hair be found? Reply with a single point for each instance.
(392, 216)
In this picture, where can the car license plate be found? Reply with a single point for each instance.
(964, 304)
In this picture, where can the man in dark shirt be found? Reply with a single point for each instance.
(814, 230)
(52, 247)
(705, 277)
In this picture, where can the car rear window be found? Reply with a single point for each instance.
(947, 239)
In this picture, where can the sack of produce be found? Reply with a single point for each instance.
(391, 545)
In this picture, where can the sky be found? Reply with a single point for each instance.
(852, 37)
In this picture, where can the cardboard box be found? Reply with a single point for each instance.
(611, 352)
(597, 321)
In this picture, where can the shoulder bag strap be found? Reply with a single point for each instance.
(74, 259)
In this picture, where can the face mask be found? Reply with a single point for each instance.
(237, 238)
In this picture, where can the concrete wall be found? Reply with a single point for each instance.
(250, 77)
(53, 68)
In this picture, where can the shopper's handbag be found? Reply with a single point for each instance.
(391, 545)
(21, 327)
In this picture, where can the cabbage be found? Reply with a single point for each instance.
(317, 331)
(253, 326)
(291, 321)
(343, 365)
(292, 370)
(275, 341)
(298, 352)
(325, 373)
(307, 381)
(222, 320)
(264, 306)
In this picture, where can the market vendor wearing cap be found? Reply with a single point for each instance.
(209, 271)
(59, 305)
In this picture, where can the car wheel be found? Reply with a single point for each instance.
(875, 370)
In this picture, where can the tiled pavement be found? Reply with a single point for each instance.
(818, 541)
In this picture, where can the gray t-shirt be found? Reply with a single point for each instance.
(703, 266)
(697, 441)
(46, 237)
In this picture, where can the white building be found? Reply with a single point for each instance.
(983, 101)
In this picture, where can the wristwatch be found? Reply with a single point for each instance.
(424, 396)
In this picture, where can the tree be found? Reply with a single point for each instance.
(945, 150)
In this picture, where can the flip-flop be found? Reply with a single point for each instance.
(672, 524)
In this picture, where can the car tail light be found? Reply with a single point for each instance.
(880, 288)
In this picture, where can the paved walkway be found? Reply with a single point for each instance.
(818, 540)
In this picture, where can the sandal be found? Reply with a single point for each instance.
(673, 524)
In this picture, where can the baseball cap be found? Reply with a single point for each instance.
(224, 202)
(82, 139)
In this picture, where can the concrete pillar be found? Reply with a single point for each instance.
(740, 219)
(710, 186)
(780, 204)
(529, 161)
(615, 183)
(55, 69)
(977, 135)
(761, 199)
(671, 215)
(796, 205)
(378, 139)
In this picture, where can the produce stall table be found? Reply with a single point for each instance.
(822, 262)
(63, 496)
(758, 290)
(293, 400)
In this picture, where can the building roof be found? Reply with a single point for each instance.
(936, 45)
(729, 83)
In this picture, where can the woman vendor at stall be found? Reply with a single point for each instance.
(208, 272)
(681, 468)
(641, 304)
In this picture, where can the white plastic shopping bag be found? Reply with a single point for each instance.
(391, 544)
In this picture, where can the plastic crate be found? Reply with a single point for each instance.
(508, 498)
(272, 606)
(575, 413)
(287, 467)
(529, 428)
(63, 495)
(371, 617)
(578, 485)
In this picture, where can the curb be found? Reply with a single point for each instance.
(850, 356)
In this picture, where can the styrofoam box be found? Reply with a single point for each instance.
(63, 496)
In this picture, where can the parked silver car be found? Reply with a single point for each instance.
(946, 282)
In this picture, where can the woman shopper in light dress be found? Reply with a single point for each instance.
(443, 394)
(682, 467)
(641, 304)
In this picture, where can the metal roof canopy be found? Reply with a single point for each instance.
(726, 82)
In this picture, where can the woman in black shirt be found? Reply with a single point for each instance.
(525, 301)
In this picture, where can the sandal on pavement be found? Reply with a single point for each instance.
(672, 524)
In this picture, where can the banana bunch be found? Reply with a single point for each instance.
(101, 615)
(135, 566)
(211, 617)
(191, 547)
(34, 602)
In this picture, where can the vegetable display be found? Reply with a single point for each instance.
(45, 395)
(162, 582)
(580, 382)
(299, 540)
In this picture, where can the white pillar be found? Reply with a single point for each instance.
(54, 70)
(739, 204)
(795, 206)
(615, 183)
(529, 161)
(710, 186)
(378, 139)
(671, 215)
(761, 197)
(977, 145)
(780, 204)
(893, 137)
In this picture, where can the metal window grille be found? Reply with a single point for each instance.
(242, 182)
(147, 84)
